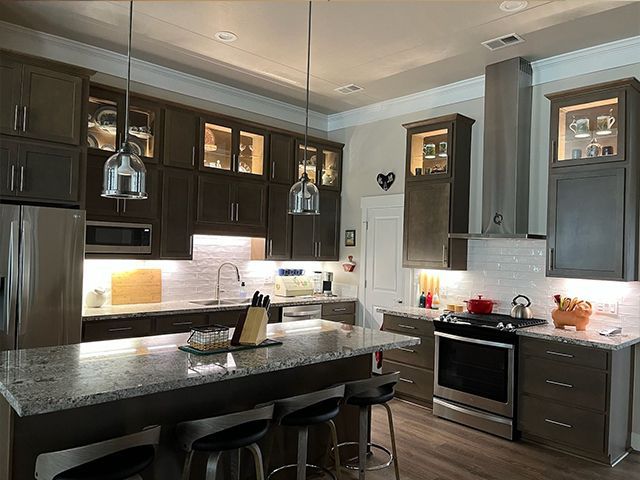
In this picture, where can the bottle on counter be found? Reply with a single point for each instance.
(429, 301)
(422, 301)
(436, 300)
(243, 290)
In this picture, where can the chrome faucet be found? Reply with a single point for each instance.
(218, 283)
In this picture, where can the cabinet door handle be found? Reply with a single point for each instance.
(193, 156)
(117, 205)
(406, 380)
(554, 151)
(232, 207)
(339, 309)
(124, 206)
(120, 329)
(24, 118)
(270, 247)
(560, 424)
(15, 118)
(408, 350)
(319, 249)
(273, 169)
(237, 212)
(409, 327)
(444, 255)
(559, 384)
(179, 324)
(12, 178)
(559, 354)
(21, 178)
(551, 259)
(234, 162)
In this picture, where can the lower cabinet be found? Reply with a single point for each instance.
(415, 363)
(114, 329)
(342, 312)
(575, 399)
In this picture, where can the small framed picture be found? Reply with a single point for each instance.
(349, 238)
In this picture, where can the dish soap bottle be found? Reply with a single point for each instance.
(243, 290)
(422, 301)
(429, 302)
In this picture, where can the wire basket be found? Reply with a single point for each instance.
(205, 339)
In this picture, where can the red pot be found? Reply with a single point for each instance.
(480, 305)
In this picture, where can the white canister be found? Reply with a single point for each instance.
(96, 298)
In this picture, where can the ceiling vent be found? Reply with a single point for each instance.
(349, 89)
(504, 41)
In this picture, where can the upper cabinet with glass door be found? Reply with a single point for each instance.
(588, 125)
(324, 164)
(232, 149)
(106, 124)
(331, 168)
(312, 161)
(428, 151)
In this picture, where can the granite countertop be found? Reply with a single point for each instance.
(111, 312)
(589, 338)
(44, 380)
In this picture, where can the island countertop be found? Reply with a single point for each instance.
(45, 380)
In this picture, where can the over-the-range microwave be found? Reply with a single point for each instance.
(118, 238)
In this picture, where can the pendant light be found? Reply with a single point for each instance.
(304, 197)
(124, 172)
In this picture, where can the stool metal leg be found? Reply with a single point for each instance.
(186, 470)
(257, 458)
(235, 464)
(392, 433)
(303, 437)
(212, 465)
(363, 442)
(334, 441)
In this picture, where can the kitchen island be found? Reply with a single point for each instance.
(61, 397)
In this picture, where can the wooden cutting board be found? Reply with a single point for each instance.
(136, 286)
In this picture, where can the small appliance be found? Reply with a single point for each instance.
(292, 286)
(327, 284)
(119, 238)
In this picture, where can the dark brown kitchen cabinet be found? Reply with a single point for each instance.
(282, 158)
(41, 100)
(576, 398)
(279, 224)
(592, 219)
(177, 213)
(324, 164)
(230, 206)
(148, 209)
(37, 171)
(93, 331)
(316, 237)
(180, 138)
(436, 204)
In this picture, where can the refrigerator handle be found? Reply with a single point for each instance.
(25, 291)
(14, 238)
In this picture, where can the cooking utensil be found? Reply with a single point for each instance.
(260, 297)
(519, 309)
(480, 305)
(254, 299)
(266, 303)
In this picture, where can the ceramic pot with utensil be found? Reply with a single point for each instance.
(480, 305)
(521, 307)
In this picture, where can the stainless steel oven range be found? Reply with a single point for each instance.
(475, 371)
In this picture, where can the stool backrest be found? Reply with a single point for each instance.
(289, 405)
(355, 388)
(189, 432)
(48, 465)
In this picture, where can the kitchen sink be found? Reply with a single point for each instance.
(223, 301)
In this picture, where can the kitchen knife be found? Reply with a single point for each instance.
(254, 300)
(259, 304)
(266, 303)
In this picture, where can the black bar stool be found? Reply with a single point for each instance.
(122, 458)
(217, 435)
(302, 412)
(364, 394)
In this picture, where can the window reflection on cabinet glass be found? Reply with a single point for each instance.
(588, 130)
(217, 147)
(141, 131)
(251, 158)
(102, 124)
(312, 162)
(430, 152)
(329, 169)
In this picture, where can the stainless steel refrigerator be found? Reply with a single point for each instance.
(41, 261)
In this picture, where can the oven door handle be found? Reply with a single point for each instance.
(474, 340)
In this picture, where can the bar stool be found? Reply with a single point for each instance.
(122, 458)
(364, 394)
(302, 412)
(217, 435)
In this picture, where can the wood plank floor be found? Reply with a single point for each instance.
(435, 449)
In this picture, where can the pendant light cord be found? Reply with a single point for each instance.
(126, 111)
(306, 120)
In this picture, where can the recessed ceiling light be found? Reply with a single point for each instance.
(513, 5)
(226, 37)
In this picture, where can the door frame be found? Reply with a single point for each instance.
(367, 203)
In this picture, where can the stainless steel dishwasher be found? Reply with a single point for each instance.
(301, 312)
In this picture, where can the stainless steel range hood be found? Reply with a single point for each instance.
(507, 131)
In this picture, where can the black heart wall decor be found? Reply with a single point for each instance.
(385, 181)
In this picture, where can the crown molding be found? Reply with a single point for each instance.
(33, 42)
(610, 55)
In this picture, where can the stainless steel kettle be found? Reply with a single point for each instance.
(519, 309)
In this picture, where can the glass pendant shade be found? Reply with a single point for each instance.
(124, 176)
(304, 197)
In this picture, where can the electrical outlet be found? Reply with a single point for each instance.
(607, 308)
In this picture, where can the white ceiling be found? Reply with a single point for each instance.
(391, 48)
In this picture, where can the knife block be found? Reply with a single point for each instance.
(251, 328)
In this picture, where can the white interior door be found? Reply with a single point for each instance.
(384, 275)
